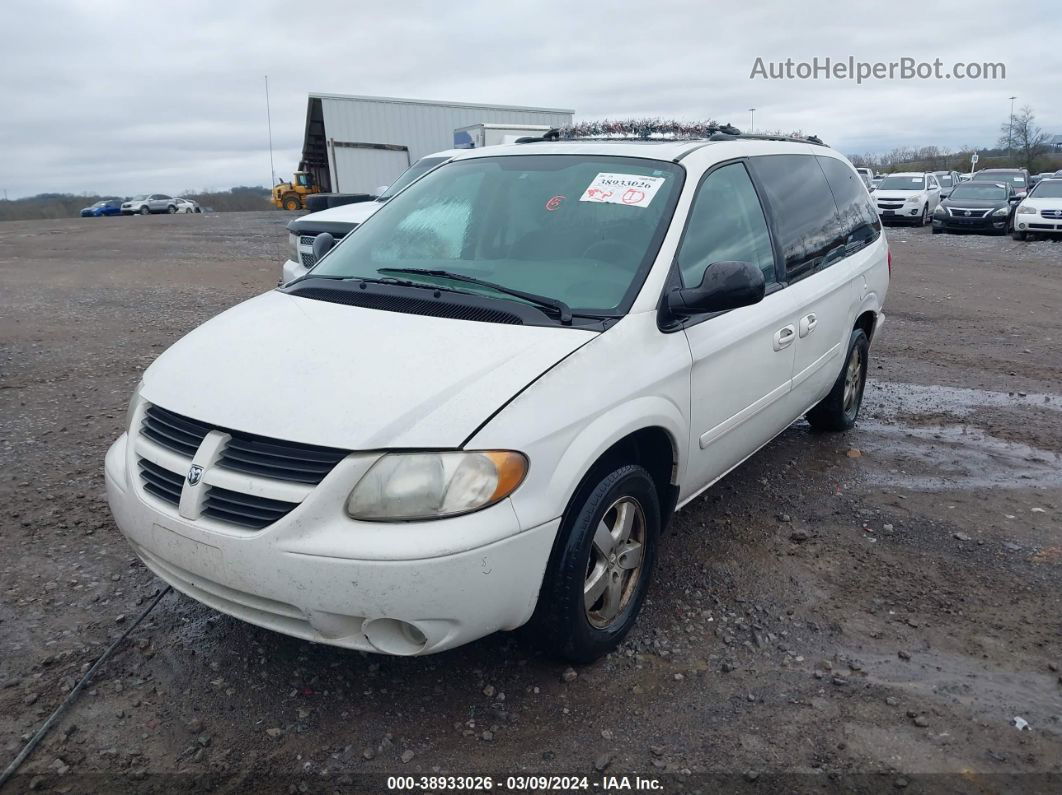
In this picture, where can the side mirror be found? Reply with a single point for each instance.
(725, 285)
(322, 244)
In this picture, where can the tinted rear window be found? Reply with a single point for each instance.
(803, 208)
(859, 218)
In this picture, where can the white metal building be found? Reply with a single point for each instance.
(355, 144)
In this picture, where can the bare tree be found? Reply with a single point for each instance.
(1022, 139)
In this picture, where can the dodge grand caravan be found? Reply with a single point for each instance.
(480, 409)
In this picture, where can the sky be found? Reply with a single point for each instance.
(123, 97)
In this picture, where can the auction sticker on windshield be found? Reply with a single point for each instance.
(629, 189)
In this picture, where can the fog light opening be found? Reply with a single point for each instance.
(392, 636)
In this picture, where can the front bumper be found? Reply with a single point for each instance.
(298, 576)
(292, 270)
(1037, 224)
(905, 212)
(959, 223)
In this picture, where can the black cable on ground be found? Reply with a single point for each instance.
(27, 749)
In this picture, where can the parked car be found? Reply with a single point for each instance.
(422, 443)
(947, 180)
(908, 196)
(976, 207)
(1040, 213)
(338, 221)
(875, 183)
(188, 206)
(1017, 178)
(867, 175)
(149, 203)
(101, 208)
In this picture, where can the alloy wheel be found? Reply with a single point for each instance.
(613, 573)
(853, 381)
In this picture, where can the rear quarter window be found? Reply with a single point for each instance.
(855, 209)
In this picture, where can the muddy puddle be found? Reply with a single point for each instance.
(935, 438)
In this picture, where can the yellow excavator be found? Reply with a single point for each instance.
(291, 195)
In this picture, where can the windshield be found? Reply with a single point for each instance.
(1047, 189)
(902, 183)
(411, 174)
(1014, 177)
(982, 192)
(582, 229)
(944, 180)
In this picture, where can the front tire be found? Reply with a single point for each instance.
(937, 230)
(144, 210)
(925, 215)
(171, 209)
(600, 567)
(1019, 235)
(839, 410)
(292, 203)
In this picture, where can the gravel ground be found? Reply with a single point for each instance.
(865, 611)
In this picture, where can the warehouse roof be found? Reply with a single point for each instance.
(407, 101)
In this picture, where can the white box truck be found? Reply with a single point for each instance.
(476, 136)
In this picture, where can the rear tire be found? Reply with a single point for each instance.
(839, 410)
(600, 566)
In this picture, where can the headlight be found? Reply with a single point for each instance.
(293, 241)
(131, 408)
(940, 211)
(1026, 210)
(409, 486)
(1002, 211)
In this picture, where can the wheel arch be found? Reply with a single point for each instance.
(633, 434)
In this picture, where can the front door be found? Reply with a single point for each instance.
(742, 359)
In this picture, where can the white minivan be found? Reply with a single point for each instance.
(481, 408)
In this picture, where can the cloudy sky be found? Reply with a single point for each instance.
(126, 97)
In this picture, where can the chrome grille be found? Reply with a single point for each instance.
(306, 240)
(160, 482)
(974, 212)
(246, 510)
(281, 472)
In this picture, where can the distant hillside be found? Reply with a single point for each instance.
(69, 205)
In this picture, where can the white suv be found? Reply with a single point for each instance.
(908, 196)
(482, 408)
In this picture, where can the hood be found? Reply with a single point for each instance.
(975, 204)
(342, 376)
(344, 214)
(896, 194)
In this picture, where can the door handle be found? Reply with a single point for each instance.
(784, 337)
(807, 324)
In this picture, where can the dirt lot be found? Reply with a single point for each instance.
(865, 611)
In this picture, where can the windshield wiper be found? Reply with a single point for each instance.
(561, 308)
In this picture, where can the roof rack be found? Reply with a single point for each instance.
(804, 139)
(710, 132)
